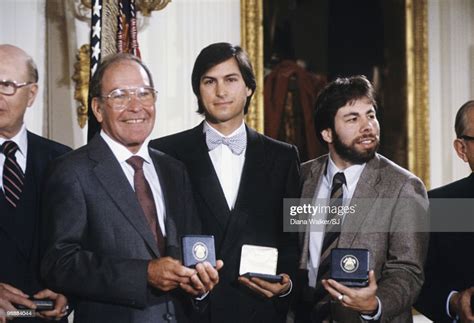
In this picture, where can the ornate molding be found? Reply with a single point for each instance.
(417, 88)
(81, 79)
(147, 6)
(251, 31)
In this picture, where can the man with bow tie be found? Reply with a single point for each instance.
(239, 178)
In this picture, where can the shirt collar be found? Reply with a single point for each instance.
(352, 173)
(21, 139)
(207, 127)
(122, 153)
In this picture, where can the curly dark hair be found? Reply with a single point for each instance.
(337, 94)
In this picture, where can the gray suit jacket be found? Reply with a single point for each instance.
(98, 243)
(392, 208)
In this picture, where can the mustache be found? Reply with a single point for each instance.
(365, 137)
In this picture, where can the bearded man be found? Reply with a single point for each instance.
(390, 206)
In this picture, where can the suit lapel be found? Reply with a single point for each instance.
(36, 161)
(110, 174)
(21, 223)
(310, 189)
(253, 170)
(363, 199)
(253, 173)
(312, 183)
(205, 177)
(166, 183)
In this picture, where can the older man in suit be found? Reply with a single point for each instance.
(383, 221)
(115, 211)
(447, 293)
(239, 179)
(24, 157)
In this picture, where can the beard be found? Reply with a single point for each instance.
(351, 154)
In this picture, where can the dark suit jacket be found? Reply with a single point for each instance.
(385, 225)
(98, 241)
(270, 173)
(449, 265)
(19, 247)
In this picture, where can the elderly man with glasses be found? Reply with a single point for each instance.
(24, 157)
(447, 295)
(115, 209)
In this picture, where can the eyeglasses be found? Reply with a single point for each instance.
(120, 98)
(10, 87)
(466, 137)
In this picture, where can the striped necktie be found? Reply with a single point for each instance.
(13, 177)
(331, 237)
(333, 228)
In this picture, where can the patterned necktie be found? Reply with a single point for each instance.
(145, 198)
(235, 143)
(13, 177)
(331, 236)
(333, 228)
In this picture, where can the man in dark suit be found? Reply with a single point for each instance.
(239, 178)
(115, 211)
(449, 285)
(24, 157)
(390, 214)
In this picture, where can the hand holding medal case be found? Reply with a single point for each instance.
(260, 262)
(198, 248)
(350, 267)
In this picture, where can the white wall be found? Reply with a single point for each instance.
(22, 23)
(451, 57)
(64, 33)
(169, 41)
(169, 46)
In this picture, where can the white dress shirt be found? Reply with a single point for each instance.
(22, 142)
(352, 175)
(122, 154)
(227, 165)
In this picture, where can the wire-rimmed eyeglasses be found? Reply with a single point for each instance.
(9, 88)
(120, 98)
(466, 137)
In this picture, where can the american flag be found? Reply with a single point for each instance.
(123, 13)
(127, 28)
(96, 34)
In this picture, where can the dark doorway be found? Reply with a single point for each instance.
(332, 38)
